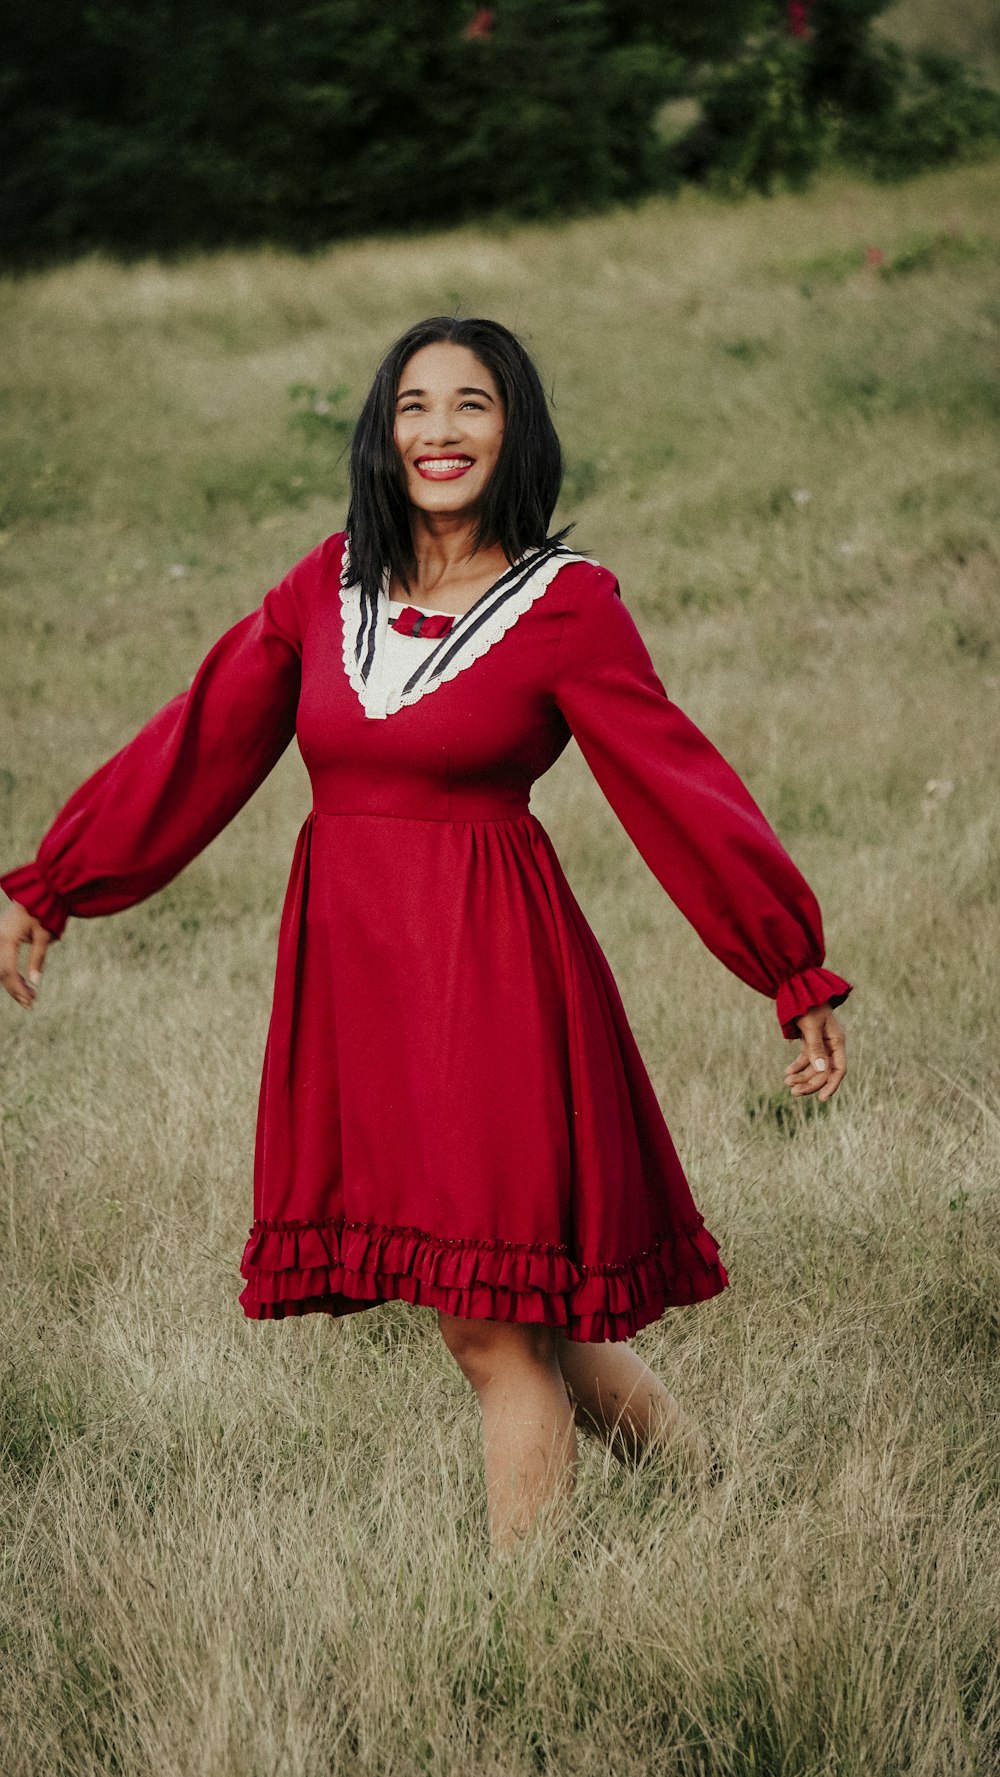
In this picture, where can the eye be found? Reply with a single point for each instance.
(410, 407)
(476, 404)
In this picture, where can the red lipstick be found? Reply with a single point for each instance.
(444, 468)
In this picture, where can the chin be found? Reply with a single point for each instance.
(438, 500)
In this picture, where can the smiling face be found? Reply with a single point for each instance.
(448, 430)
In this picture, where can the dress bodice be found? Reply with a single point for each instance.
(488, 708)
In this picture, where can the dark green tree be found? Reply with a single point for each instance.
(161, 125)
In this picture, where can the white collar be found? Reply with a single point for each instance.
(365, 620)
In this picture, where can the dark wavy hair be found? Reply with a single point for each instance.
(521, 493)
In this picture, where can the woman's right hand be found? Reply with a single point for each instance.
(18, 927)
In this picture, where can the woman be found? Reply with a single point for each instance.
(453, 1109)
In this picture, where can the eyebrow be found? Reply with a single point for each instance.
(407, 394)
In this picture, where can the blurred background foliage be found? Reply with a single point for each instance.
(160, 125)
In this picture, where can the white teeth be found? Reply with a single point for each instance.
(441, 464)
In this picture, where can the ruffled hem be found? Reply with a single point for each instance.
(811, 987)
(330, 1267)
(28, 886)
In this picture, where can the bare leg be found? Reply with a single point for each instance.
(529, 1437)
(618, 1396)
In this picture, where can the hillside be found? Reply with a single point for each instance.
(240, 1549)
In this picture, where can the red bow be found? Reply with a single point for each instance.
(412, 622)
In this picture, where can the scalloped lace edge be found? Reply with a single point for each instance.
(497, 626)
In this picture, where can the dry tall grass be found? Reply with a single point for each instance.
(234, 1550)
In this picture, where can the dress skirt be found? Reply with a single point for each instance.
(494, 1146)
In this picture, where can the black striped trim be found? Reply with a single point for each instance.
(488, 603)
(364, 649)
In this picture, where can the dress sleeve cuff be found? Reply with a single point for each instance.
(811, 987)
(28, 886)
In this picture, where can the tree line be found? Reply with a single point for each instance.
(161, 125)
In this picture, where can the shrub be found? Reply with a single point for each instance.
(758, 125)
(794, 98)
(940, 114)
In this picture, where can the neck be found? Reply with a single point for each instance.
(444, 546)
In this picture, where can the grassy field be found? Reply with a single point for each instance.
(236, 1550)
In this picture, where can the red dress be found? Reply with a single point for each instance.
(512, 1162)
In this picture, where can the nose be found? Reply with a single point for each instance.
(441, 427)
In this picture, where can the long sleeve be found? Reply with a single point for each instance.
(151, 808)
(687, 812)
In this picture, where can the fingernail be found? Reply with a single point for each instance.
(819, 1065)
(34, 977)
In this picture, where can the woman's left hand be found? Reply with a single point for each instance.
(822, 1063)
